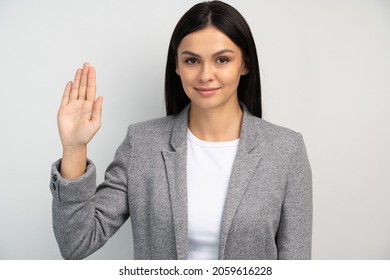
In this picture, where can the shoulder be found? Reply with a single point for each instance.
(277, 139)
(257, 131)
(270, 132)
(282, 145)
(154, 132)
(274, 131)
(159, 125)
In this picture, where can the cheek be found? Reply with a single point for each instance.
(188, 76)
(230, 77)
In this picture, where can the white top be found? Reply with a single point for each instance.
(209, 166)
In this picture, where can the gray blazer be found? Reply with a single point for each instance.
(267, 213)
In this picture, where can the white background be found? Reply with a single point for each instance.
(325, 69)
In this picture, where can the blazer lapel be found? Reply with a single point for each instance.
(247, 158)
(176, 168)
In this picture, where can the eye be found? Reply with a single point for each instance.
(222, 60)
(191, 60)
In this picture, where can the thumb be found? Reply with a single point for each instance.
(97, 110)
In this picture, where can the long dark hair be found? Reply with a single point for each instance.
(229, 21)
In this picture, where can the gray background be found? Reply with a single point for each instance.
(325, 69)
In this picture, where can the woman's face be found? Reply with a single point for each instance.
(210, 66)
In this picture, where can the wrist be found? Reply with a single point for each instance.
(74, 161)
(72, 150)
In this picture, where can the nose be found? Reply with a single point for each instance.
(207, 73)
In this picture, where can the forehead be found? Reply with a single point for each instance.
(207, 40)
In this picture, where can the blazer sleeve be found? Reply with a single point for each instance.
(295, 227)
(85, 217)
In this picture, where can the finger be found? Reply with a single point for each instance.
(83, 82)
(74, 94)
(65, 96)
(97, 110)
(91, 84)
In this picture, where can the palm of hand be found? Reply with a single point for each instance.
(79, 116)
(75, 123)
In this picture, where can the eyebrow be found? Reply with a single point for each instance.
(214, 55)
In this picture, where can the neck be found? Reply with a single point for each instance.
(217, 124)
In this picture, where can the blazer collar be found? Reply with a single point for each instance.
(248, 133)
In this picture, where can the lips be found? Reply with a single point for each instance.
(207, 91)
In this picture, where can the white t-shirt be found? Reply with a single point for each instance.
(209, 166)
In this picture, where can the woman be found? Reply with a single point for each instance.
(212, 180)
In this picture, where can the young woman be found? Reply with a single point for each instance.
(212, 180)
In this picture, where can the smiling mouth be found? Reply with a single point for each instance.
(207, 91)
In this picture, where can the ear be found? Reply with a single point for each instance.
(177, 67)
(244, 71)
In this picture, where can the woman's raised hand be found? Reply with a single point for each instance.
(79, 116)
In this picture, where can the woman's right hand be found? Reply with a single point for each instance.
(79, 116)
